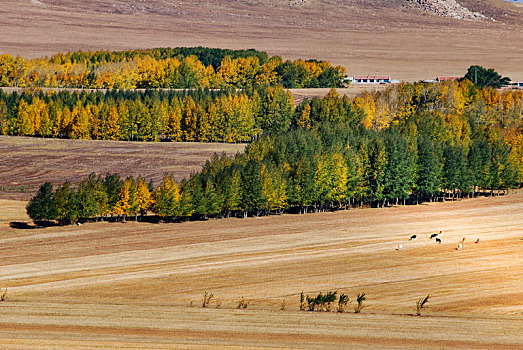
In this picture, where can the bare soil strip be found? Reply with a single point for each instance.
(26, 163)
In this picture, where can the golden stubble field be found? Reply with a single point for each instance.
(139, 286)
(366, 36)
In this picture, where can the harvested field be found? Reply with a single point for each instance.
(364, 35)
(351, 91)
(140, 286)
(26, 162)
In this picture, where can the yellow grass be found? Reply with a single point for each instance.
(132, 285)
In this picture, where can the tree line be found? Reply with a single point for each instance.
(179, 68)
(238, 116)
(200, 115)
(407, 144)
(330, 166)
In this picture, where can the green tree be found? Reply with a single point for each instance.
(212, 205)
(67, 204)
(397, 167)
(428, 168)
(232, 192)
(167, 197)
(92, 198)
(253, 200)
(483, 77)
(479, 163)
(112, 184)
(42, 206)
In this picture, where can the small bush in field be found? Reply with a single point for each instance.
(3, 294)
(342, 302)
(360, 298)
(207, 299)
(420, 304)
(302, 301)
(311, 303)
(322, 302)
(242, 304)
(329, 298)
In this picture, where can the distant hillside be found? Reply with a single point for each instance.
(410, 39)
(458, 9)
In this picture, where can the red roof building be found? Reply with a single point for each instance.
(448, 78)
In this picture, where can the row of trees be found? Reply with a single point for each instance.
(329, 167)
(234, 116)
(180, 68)
(449, 139)
(95, 196)
(205, 116)
(460, 108)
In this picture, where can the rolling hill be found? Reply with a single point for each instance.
(410, 39)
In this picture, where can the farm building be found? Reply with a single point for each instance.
(371, 79)
(519, 84)
(447, 78)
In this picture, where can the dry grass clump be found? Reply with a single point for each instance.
(420, 304)
(207, 298)
(3, 294)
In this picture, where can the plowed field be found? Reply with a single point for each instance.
(26, 163)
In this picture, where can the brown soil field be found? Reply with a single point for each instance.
(365, 36)
(26, 163)
(140, 286)
(351, 91)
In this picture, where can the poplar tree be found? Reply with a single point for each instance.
(67, 204)
(253, 200)
(144, 199)
(42, 206)
(167, 197)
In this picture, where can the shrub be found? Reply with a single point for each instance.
(242, 304)
(329, 298)
(302, 301)
(207, 299)
(360, 298)
(311, 303)
(420, 304)
(321, 302)
(3, 294)
(342, 302)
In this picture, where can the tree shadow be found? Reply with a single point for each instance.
(27, 226)
(21, 225)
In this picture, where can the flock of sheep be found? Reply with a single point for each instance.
(438, 240)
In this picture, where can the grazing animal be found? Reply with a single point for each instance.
(463, 240)
(413, 237)
(460, 246)
(438, 240)
(433, 235)
(400, 247)
(477, 240)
